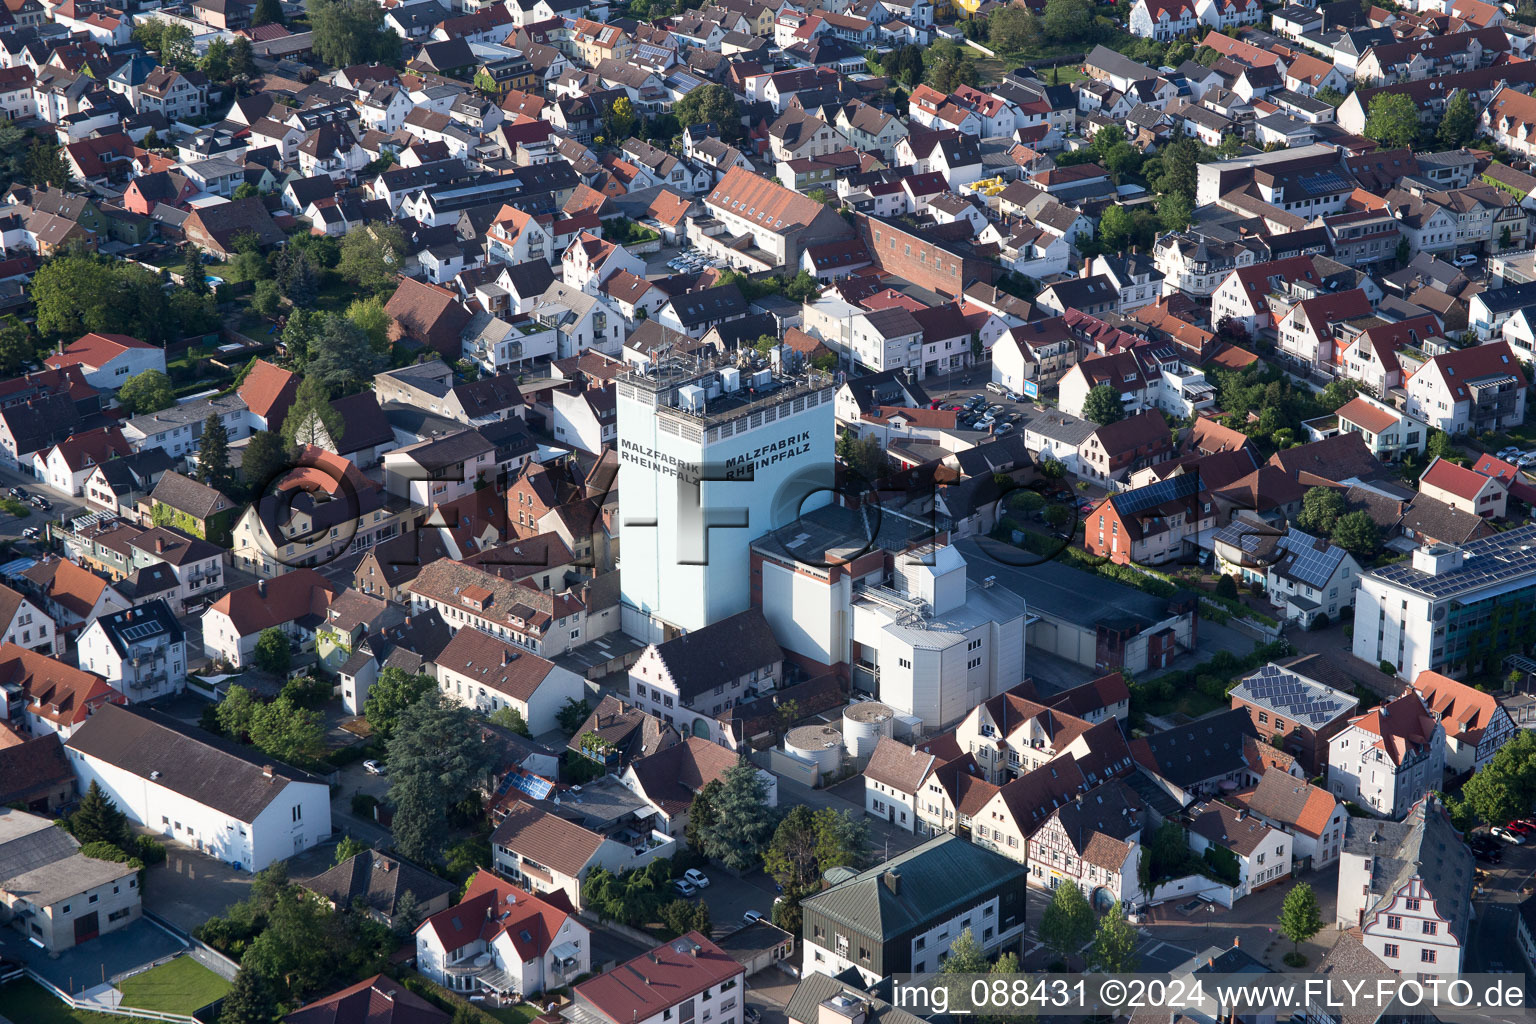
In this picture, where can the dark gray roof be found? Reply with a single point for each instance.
(137, 473)
(1294, 696)
(721, 303)
(442, 452)
(815, 989)
(377, 879)
(1195, 753)
(699, 660)
(938, 879)
(187, 495)
(186, 760)
(150, 624)
(1424, 843)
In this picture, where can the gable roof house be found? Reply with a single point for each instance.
(1476, 724)
(669, 779)
(379, 882)
(294, 602)
(63, 897)
(767, 225)
(1387, 759)
(200, 789)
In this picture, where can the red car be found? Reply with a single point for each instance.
(1523, 828)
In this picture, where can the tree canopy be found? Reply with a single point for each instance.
(1506, 787)
(145, 392)
(436, 760)
(1103, 405)
(1067, 922)
(348, 32)
(393, 692)
(1300, 916)
(743, 822)
(1393, 120)
(371, 256)
(710, 103)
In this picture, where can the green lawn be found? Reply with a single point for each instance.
(26, 1002)
(522, 1013)
(181, 986)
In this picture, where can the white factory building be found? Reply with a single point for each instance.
(711, 457)
(192, 787)
(919, 635)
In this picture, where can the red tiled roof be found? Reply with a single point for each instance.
(1403, 726)
(1369, 416)
(96, 350)
(666, 976)
(1463, 711)
(492, 906)
(292, 595)
(268, 391)
(1453, 479)
(58, 692)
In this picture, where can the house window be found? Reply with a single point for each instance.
(1394, 922)
(1427, 956)
(1390, 949)
(1431, 928)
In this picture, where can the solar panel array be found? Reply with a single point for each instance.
(1487, 562)
(534, 786)
(141, 631)
(1130, 503)
(1285, 692)
(1309, 565)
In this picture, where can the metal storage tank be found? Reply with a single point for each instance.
(822, 745)
(864, 725)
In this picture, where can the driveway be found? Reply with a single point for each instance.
(189, 887)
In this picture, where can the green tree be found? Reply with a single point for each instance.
(1180, 160)
(242, 59)
(710, 103)
(237, 713)
(1067, 922)
(702, 816)
(266, 299)
(311, 420)
(1393, 120)
(1117, 227)
(486, 83)
(267, 12)
(620, 122)
(949, 67)
(16, 349)
(1069, 21)
(842, 840)
(249, 1000)
(743, 824)
(1014, 28)
(1331, 96)
(46, 165)
(369, 315)
(245, 190)
(1357, 533)
(572, 714)
(145, 392)
(1458, 125)
(349, 848)
(966, 956)
(342, 356)
(98, 819)
(1300, 917)
(296, 275)
(1174, 212)
(215, 62)
(371, 256)
(436, 759)
(264, 458)
(790, 858)
(1321, 508)
(287, 731)
(273, 653)
(1103, 405)
(348, 32)
(1114, 944)
(213, 454)
(389, 696)
(1505, 788)
(508, 717)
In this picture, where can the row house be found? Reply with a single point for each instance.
(1387, 759)
(1468, 390)
(547, 620)
(1309, 814)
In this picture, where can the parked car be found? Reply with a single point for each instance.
(684, 887)
(1486, 848)
(753, 1015)
(751, 917)
(1522, 827)
(1507, 835)
(1466, 259)
(996, 388)
(32, 532)
(39, 502)
(19, 493)
(697, 877)
(373, 767)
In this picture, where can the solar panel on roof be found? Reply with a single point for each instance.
(533, 785)
(1154, 494)
(140, 630)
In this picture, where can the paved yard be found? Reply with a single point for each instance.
(93, 963)
(190, 887)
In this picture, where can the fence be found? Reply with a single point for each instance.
(112, 1011)
(199, 950)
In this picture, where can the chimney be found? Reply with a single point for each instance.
(506, 657)
(261, 588)
(1237, 940)
(892, 880)
(266, 770)
(159, 545)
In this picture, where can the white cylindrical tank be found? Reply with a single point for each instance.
(864, 725)
(819, 744)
